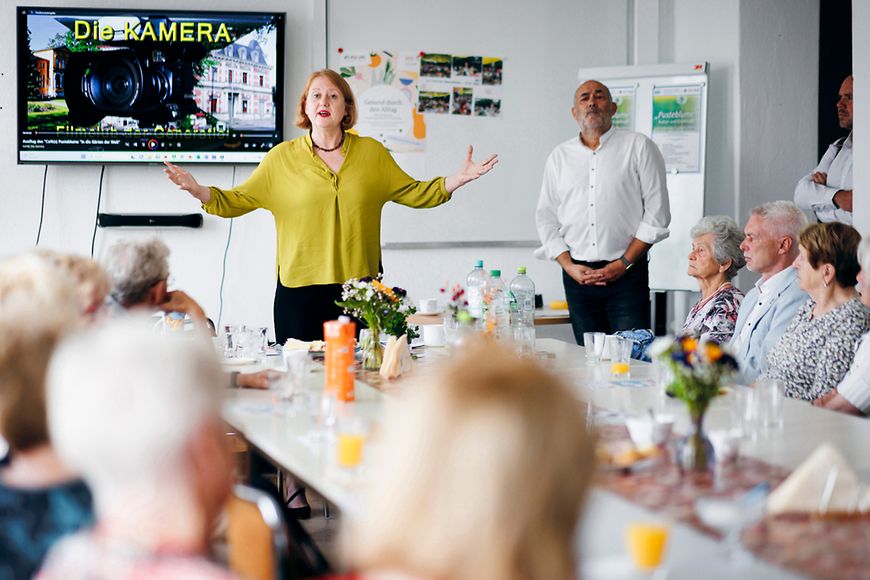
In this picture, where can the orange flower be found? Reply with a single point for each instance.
(385, 290)
(689, 344)
(714, 352)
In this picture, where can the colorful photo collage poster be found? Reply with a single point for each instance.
(460, 85)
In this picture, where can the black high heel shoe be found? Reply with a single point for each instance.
(300, 513)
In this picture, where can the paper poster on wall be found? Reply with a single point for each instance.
(385, 86)
(487, 101)
(625, 99)
(676, 126)
(463, 85)
(492, 68)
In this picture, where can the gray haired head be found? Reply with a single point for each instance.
(135, 267)
(783, 217)
(726, 241)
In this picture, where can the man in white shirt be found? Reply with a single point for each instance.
(770, 247)
(827, 191)
(603, 203)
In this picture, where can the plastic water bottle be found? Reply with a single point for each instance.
(497, 301)
(522, 293)
(475, 284)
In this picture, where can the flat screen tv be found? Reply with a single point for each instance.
(144, 86)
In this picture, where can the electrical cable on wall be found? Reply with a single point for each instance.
(97, 214)
(42, 206)
(224, 267)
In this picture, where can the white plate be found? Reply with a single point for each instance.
(239, 361)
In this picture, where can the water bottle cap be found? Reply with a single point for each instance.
(479, 264)
(521, 270)
(495, 273)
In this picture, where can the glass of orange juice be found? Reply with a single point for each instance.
(350, 443)
(646, 543)
(620, 358)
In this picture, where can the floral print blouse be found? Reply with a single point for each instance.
(716, 317)
(814, 354)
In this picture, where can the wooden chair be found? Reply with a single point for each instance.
(258, 543)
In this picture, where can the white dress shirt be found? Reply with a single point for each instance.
(808, 195)
(855, 386)
(593, 202)
(767, 290)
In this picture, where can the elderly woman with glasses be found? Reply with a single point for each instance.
(817, 349)
(715, 259)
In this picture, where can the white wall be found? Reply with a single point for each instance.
(861, 70)
(761, 54)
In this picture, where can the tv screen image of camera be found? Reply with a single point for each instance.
(142, 86)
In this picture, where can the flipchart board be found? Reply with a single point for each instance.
(667, 103)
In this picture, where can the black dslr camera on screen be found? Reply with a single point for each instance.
(150, 81)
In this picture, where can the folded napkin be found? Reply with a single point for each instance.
(397, 357)
(823, 484)
(296, 344)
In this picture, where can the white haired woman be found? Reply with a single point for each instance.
(715, 259)
(145, 433)
(456, 469)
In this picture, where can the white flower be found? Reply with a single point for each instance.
(660, 346)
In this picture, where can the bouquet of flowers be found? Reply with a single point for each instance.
(382, 308)
(698, 368)
(456, 300)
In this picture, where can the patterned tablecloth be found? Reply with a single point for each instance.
(823, 548)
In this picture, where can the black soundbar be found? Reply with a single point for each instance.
(114, 220)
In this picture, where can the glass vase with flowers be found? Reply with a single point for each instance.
(382, 309)
(698, 369)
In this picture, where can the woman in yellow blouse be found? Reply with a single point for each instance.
(326, 190)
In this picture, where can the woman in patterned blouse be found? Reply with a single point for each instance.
(816, 351)
(715, 259)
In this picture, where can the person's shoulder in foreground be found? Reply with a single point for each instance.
(96, 556)
(32, 520)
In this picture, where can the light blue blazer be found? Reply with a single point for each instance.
(752, 355)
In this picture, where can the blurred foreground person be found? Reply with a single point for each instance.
(90, 279)
(481, 476)
(41, 499)
(145, 433)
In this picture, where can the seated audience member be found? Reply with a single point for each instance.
(852, 395)
(814, 354)
(139, 271)
(486, 470)
(90, 279)
(145, 433)
(770, 248)
(715, 259)
(41, 499)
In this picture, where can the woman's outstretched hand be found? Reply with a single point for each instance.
(184, 180)
(470, 171)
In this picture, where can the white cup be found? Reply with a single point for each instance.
(433, 334)
(427, 305)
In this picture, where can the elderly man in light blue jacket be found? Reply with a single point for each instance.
(770, 247)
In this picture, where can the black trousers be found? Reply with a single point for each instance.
(301, 312)
(620, 305)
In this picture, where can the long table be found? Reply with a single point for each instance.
(284, 440)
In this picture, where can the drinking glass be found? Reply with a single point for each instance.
(765, 406)
(593, 344)
(620, 362)
(729, 515)
(646, 543)
(282, 388)
(350, 443)
(232, 335)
